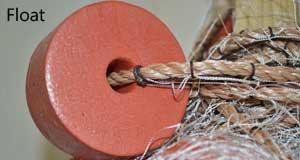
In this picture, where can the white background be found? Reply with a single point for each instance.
(19, 138)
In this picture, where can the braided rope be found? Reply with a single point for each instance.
(177, 71)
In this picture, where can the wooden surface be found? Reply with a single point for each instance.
(254, 14)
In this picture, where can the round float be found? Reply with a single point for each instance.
(68, 94)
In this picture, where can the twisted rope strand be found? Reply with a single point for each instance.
(208, 68)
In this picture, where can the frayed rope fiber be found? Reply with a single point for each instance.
(248, 88)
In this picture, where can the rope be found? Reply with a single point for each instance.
(174, 71)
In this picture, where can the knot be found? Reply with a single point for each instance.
(192, 69)
(140, 80)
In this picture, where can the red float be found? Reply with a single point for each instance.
(68, 94)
